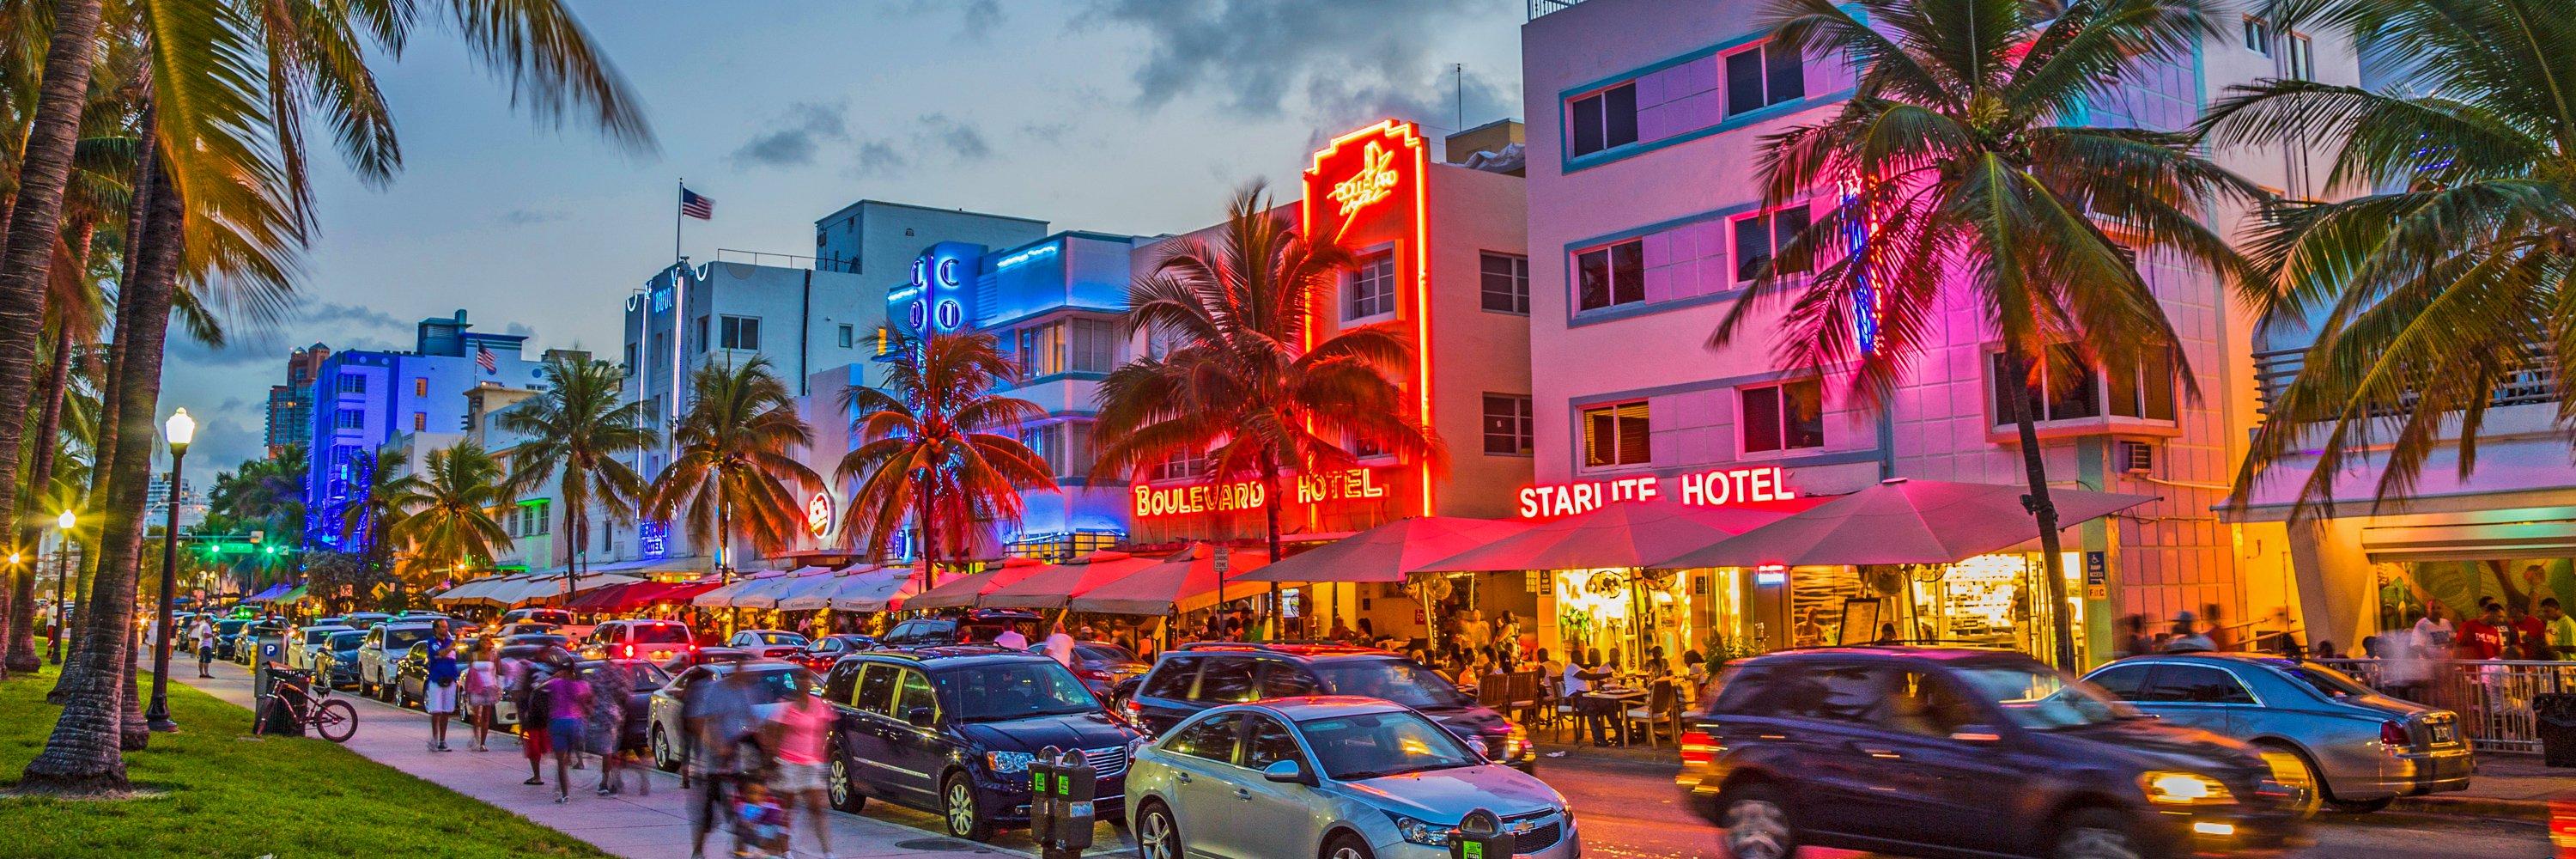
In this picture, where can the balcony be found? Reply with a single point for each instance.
(1542, 7)
(2534, 383)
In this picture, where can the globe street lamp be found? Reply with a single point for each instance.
(179, 430)
(62, 581)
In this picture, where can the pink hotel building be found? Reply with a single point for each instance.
(1646, 118)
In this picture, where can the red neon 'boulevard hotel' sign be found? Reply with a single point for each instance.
(1713, 488)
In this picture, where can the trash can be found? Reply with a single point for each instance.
(2557, 717)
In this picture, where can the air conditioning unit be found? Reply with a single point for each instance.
(2137, 457)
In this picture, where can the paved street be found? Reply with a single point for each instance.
(1630, 809)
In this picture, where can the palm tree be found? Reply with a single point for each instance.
(446, 509)
(1974, 179)
(1236, 384)
(574, 432)
(370, 516)
(735, 461)
(939, 446)
(2449, 284)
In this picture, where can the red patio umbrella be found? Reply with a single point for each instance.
(607, 598)
(1625, 534)
(1903, 521)
(1387, 552)
(963, 591)
(1056, 586)
(1186, 582)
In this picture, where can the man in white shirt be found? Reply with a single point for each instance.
(1060, 646)
(1011, 639)
(1578, 681)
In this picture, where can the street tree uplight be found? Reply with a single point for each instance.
(62, 586)
(180, 430)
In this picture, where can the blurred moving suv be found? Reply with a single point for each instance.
(1199, 676)
(1333, 777)
(1964, 752)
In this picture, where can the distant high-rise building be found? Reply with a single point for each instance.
(290, 406)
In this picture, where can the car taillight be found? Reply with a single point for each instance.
(1133, 708)
(1698, 747)
(1092, 674)
(2393, 735)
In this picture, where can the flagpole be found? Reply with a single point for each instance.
(679, 312)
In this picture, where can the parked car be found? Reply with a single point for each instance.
(769, 643)
(365, 619)
(2354, 749)
(336, 660)
(1102, 665)
(1963, 752)
(525, 627)
(1340, 777)
(976, 626)
(309, 643)
(385, 645)
(554, 616)
(697, 656)
(822, 652)
(953, 729)
(246, 646)
(228, 634)
(667, 737)
(538, 639)
(1201, 676)
(655, 641)
(411, 676)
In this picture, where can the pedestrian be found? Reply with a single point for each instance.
(2530, 635)
(2186, 636)
(2221, 637)
(1011, 639)
(2134, 641)
(2485, 637)
(717, 713)
(797, 731)
(438, 690)
(1059, 645)
(609, 688)
(527, 699)
(204, 631)
(567, 714)
(2559, 630)
(482, 687)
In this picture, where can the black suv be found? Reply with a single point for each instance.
(975, 627)
(1963, 752)
(952, 730)
(1199, 676)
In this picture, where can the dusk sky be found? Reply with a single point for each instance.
(1114, 115)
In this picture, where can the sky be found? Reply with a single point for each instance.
(1133, 116)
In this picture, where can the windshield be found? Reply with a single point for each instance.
(1383, 744)
(2039, 697)
(312, 636)
(556, 617)
(777, 638)
(661, 633)
(1396, 680)
(772, 684)
(347, 640)
(229, 627)
(2335, 684)
(643, 676)
(403, 639)
(1013, 690)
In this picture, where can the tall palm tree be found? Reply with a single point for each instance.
(447, 511)
(2451, 282)
(1975, 179)
(938, 445)
(735, 472)
(1236, 384)
(574, 432)
(369, 517)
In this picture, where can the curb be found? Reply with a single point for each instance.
(2513, 809)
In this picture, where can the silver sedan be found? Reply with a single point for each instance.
(1336, 777)
(2359, 749)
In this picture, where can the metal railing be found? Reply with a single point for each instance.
(2492, 697)
(1542, 7)
(2536, 381)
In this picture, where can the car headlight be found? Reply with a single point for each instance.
(1516, 743)
(1418, 832)
(1009, 762)
(2182, 788)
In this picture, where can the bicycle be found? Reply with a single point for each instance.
(334, 720)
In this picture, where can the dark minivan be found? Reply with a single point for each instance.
(1200, 676)
(1938, 751)
(975, 627)
(952, 730)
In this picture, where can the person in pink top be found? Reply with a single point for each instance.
(798, 731)
(567, 708)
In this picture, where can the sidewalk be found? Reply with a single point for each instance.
(639, 827)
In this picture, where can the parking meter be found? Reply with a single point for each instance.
(1042, 806)
(1076, 783)
(1480, 836)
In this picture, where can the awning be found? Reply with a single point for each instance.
(547, 588)
(2480, 541)
(1057, 586)
(876, 590)
(610, 597)
(722, 597)
(818, 595)
(963, 591)
(1626, 534)
(1903, 521)
(270, 593)
(1387, 553)
(293, 595)
(767, 596)
(1187, 582)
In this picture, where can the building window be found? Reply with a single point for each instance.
(348, 419)
(1509, 424)
(1605, 119)
(1370, 288)
(2303, 58)
(1066, 345)
(1759, 238)
(740, 332)
(1762, 76)
(702, 334)
(1184, 465)
(2258, 36)
(352, 383)
(545, 524)
(847, 336)
(630, 358)
(1611, 276)
(2147, 393)
(1065, 445)
(1786, 416)
(1506, 282)
(420, 386)
(2069, 388)
(1616, 435)
(419, 421)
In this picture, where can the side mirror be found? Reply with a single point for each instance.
(1291, 771)
(1976, 734)
(920, 717)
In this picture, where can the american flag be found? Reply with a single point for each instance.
(483, 358)
(697, 206)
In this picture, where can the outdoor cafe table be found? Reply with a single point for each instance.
(1620, 698)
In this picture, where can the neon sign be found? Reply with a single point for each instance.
(818, 514)
(1374, 182)
(1713, 488)
(1226, 496)
(934, 302)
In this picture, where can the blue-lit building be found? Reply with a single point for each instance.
(362, 400)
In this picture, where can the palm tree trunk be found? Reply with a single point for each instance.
(82, 754)
(927, 532)
(21, 654)
(2043, 509)
(1270, 511)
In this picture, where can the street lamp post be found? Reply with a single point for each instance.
(180, 429)
(62, 584)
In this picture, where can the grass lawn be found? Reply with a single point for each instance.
(227, 794)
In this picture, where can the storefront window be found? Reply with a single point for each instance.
(1999, 599)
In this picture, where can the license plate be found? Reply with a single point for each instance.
(2444, 732)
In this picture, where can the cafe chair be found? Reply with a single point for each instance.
(1662, 704)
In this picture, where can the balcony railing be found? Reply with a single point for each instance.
(1542, 7)
(2535, 381)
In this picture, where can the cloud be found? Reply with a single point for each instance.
(520, 328)
(960, 139)
(1255, 55)
(934, 137)
(982, 18)
(1046, 132)
(878, 157)
(1340, 105)
(343, 326)
(801, 133)
(524, 217)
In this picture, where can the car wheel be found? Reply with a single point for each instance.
(844, 795)
(2096, 833)
(665, 757)
(2291, 767)
(1157, 837)
(1757, 824)
(957, 804)
(1347, 846)
(2360, 806)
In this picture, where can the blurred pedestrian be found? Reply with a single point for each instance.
(567, 715)
(2186, 636)
(2221, 638)
(481, 685)
(438, 689)
(797, 731)
(717, 714)
(610, 687)
(528, 700)
(2134, 640)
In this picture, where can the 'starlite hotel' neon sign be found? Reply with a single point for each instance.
(1713, 488)
(1374, 182)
